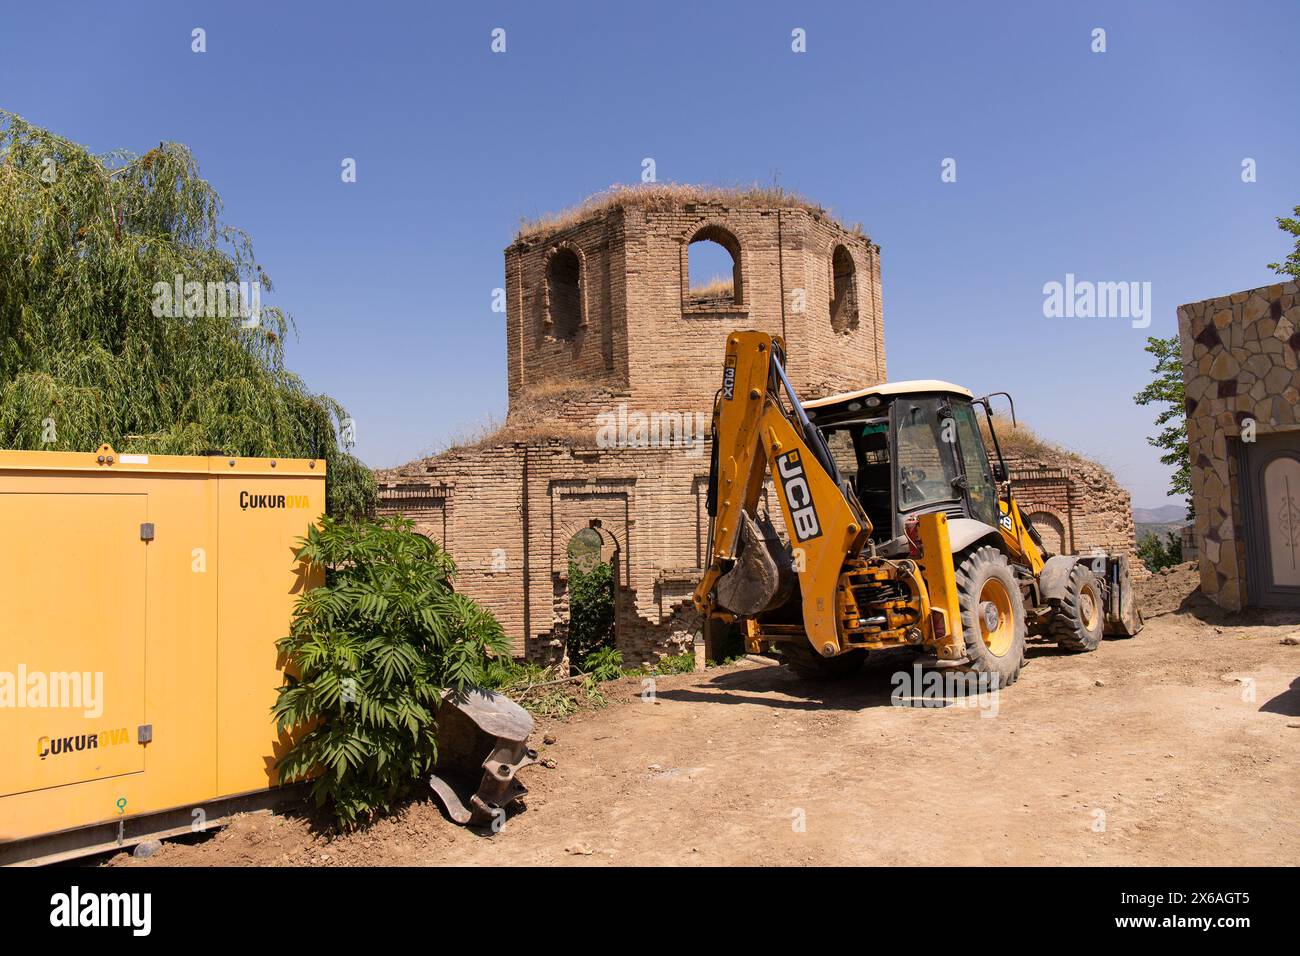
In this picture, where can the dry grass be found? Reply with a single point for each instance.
(534, 417)
(1021, 441)
(664, 196)
(715, 288)
(558, 390)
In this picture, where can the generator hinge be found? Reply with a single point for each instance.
(146, 531)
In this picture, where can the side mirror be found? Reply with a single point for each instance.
(999, 472)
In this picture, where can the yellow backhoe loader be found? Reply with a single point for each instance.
(900, 530)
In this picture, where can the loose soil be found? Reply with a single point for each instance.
(1180, 746)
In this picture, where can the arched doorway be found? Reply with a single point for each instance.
(1050, 531)
(591, 588)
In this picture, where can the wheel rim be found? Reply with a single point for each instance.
(997, 629)
(1088, 609)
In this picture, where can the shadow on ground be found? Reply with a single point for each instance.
(775, 686)
(1286, 703)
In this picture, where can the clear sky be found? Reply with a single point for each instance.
(1122, 166)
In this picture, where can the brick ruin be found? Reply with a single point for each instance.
(613, 361)
(1075, 505)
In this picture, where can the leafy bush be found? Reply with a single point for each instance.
(1156, 555)
(591, 609)
(504, 674)
(603, 664)
(369, 654)
(682, 663)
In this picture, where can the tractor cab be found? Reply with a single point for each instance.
(909, 448)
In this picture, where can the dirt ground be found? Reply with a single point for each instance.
(1180, 746)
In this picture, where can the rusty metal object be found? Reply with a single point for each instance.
(482, 744)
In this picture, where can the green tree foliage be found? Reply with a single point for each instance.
(1156, 555)
(84, 239)
(1291, 266)
(369, 655)
(1167, 389)
(591, 609)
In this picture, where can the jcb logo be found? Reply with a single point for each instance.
(798, 496)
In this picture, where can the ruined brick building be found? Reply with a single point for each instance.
(612, 365)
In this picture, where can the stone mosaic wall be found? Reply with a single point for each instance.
(1241, 371)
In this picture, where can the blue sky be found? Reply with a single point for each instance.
(1115, 166)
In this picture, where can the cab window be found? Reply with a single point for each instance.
(980, 486)
(926, 462)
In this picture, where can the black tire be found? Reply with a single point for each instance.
(1079, 615)
(808, 664)
(995, 641)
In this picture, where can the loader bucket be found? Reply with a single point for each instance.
(1123, 619)
(482, 744)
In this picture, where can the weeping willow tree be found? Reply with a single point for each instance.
(93, 346)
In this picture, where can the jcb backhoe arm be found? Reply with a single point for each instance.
(748, 571)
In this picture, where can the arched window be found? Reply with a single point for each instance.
(564, 293)
(844, 291)
(713, 269)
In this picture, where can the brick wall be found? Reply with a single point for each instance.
(507, 514)
(642, 333)
(1076, 506)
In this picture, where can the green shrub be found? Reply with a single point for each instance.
(603, 664)
(1156, 555)
(682, 663)
(369, 654)
(591, 609)
(503, 674)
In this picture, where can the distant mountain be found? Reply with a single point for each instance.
(1165, 514)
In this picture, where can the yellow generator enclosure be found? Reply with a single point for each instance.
(141, 597)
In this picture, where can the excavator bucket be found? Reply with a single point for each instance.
(482, 744)
(762, 576)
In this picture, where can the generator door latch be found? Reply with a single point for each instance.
(146, 531)
(144, 734)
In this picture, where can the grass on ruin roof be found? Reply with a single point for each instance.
(666, 196)
(1021, 441)
(533, 419)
